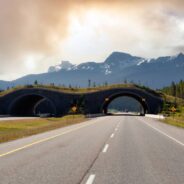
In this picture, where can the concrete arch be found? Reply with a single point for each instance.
(109, 99)
(45, 106)
(24, 102)
(25, 105)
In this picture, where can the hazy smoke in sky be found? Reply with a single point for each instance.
(37, 27)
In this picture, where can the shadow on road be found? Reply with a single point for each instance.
(123, 114)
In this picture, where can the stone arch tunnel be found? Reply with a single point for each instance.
(32, 101)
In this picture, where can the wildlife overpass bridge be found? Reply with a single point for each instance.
(32, 101)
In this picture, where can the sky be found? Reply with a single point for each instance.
(36, 34)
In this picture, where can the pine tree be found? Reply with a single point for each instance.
(89, 83)
(173, 89)
(35, 82)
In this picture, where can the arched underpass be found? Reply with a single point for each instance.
(32, 101)
(32, 105)
(125, 102)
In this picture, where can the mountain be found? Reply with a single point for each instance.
(5, 84)
(118, 67)
(65, 65)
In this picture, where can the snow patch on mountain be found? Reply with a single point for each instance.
(65, 65)
(140, 62)
(107, 69)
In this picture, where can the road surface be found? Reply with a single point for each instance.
(9, 118)
(105, 150)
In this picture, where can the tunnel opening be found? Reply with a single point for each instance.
(32, 105)
(125, 104)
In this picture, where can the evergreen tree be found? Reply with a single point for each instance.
(106, 83)
(94, 84)
(89, 83)
(35, 82)
(175, 89)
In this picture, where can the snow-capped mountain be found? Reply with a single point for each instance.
(116, 59)
(117, 68)
(65, 65)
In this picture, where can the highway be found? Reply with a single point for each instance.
(9, 118)
(104, 150)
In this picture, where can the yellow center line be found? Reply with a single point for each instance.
(44, 140)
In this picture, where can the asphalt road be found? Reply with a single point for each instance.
(105, 150)
(7, 118)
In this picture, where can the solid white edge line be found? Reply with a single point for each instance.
(105, 148)
(112, 135)
(91, 179)
(163, 133)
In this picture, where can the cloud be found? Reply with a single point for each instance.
(41, 29)
(179, 48)
(30, 27)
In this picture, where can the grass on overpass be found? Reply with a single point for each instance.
(80, 90)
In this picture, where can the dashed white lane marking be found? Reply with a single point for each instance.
(163, 133)
(112, 135)
(116, 129)
(91, 179)
(105, 148)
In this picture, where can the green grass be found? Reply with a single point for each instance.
(78, 90)
(173, 118)
(14, 129)
(176, 118)
(172, 99)
(174, 121)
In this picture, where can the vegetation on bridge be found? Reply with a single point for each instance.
(78, 89)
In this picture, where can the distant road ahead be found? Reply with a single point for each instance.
(105, 150)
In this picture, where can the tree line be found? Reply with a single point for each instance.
(175, 89)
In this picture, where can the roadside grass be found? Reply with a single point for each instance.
(175, 122)
(173, 100)
(14, 129)
(176, 118)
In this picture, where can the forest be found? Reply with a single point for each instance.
(175, 89)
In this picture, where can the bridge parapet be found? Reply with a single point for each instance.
(28, 101)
